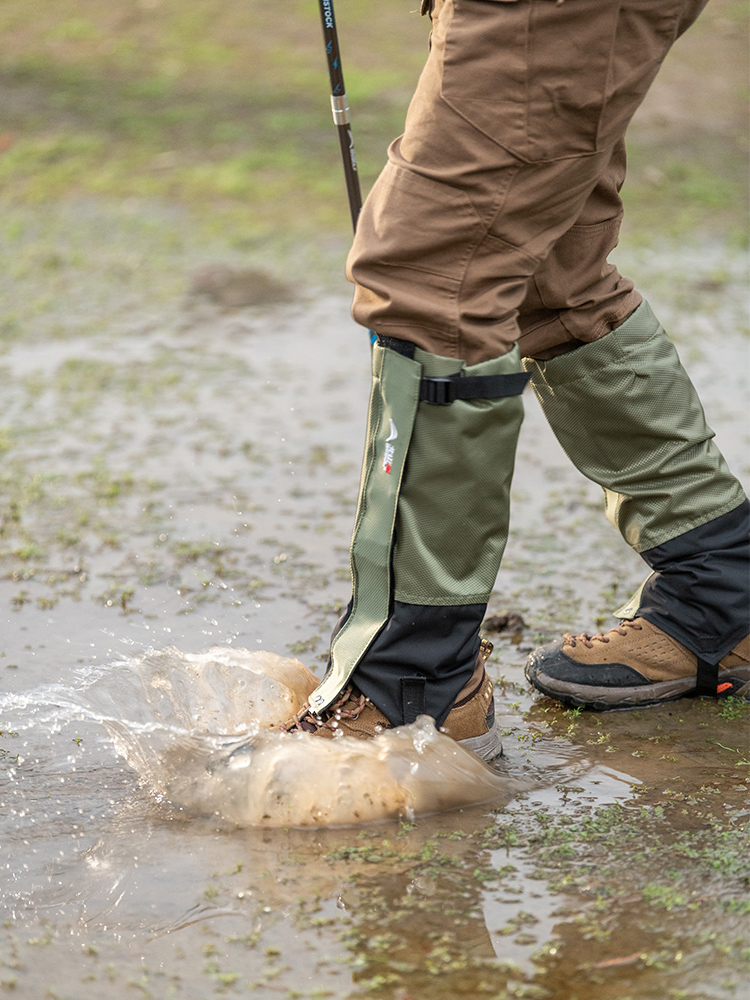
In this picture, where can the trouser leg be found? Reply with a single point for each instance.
(576, 295)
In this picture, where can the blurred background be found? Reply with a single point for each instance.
(212, 117)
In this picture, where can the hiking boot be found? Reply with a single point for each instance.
(471, 721)
(634, 664)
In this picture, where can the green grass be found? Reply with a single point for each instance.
(187, 106)
(223, 108)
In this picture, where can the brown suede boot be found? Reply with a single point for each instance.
(471, 721)
(634, 664)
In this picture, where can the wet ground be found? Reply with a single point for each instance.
(177, 472)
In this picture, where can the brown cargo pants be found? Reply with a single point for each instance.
(494, 217)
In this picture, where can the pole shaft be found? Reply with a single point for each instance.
(340, 107)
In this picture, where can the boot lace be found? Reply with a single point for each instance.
(588, 640)
(350, 705)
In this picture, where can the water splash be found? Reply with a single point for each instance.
(221, 691)
(197, 730)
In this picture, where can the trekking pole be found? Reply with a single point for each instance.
(340, 108)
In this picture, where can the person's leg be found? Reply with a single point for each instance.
(576, 295)
(430, 528)
(489, 175)
(445, 245)
(628, 417)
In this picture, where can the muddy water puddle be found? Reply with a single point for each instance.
(187, 480)
(616, 870)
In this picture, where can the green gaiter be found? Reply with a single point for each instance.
(432, 516)
(629, 418)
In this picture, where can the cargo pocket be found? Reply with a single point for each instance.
(645, 33)
(531, 75)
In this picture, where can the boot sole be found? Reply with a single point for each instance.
(487, 747)
(606, 698)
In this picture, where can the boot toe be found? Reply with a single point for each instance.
(550, 669)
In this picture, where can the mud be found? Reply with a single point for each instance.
(180, 474)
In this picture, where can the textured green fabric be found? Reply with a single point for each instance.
(628, 417)
(393, 406)
(453, 512)
(446, 504)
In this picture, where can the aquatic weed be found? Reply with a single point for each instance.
(733, 707)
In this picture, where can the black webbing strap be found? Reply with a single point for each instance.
(444, 391)
(412, 697)
(404, 347)
(708, 678)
